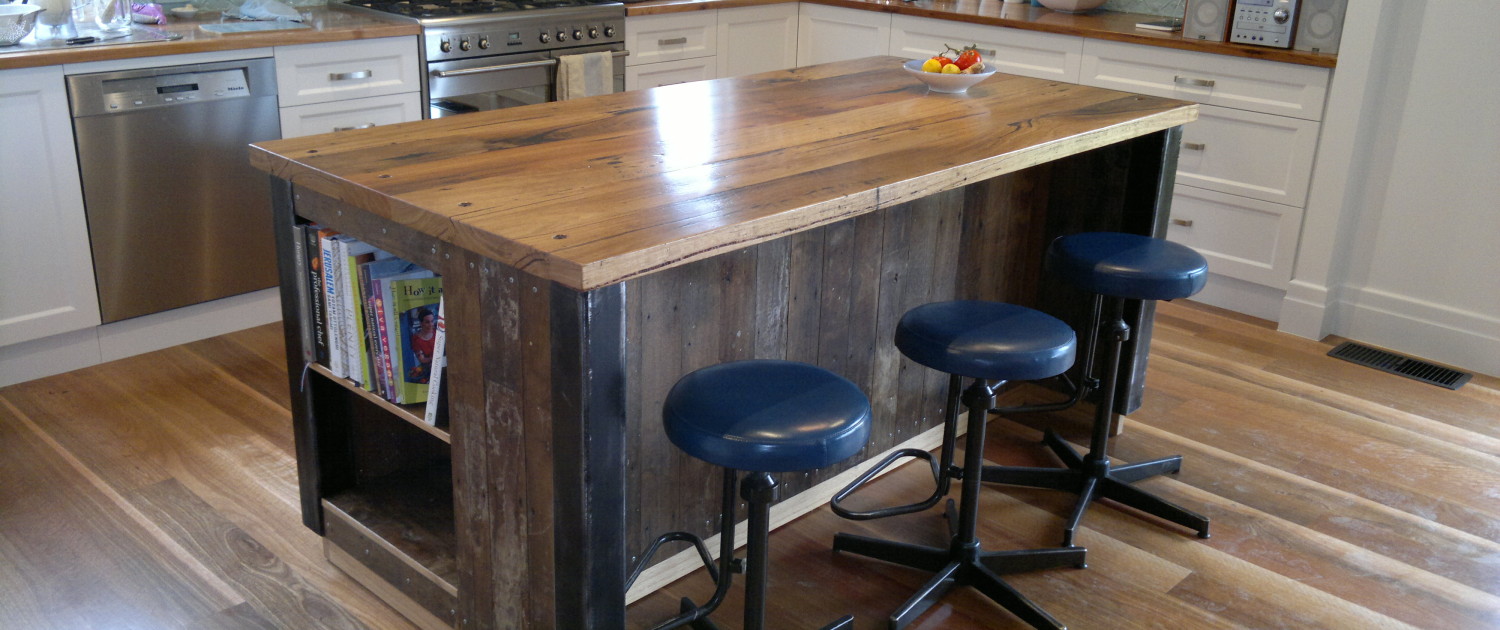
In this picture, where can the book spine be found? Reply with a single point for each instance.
(382, 330)
(318, 322)
(439, 363)
(372, 331)
(363, 329)
(348, 308)
(334, 303)
(302, 291)
(393, 341)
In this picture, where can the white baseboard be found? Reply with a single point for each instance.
(687, 561)
(83, 348)
(1462, 339)
(1306, 311)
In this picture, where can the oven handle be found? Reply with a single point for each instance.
(443, 74)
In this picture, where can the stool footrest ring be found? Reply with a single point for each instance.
(940, 477)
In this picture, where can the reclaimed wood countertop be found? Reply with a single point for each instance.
(327, 25)
(595, 191)
(1108, 25)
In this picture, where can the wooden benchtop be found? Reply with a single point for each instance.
(327, 25)
(595, 191)
(1111, 25)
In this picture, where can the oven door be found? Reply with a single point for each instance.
(485, 83)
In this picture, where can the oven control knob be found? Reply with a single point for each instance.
(464, 45)
(446, 46)
(545, 38)
(593, 32)
(562, 36)
(578, 34)
(609, 31)
(484, 43)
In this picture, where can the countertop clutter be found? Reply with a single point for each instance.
(326, 25)
(333, 25)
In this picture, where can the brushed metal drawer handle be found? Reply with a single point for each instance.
(364, 126)
(350, 76)
(1180, 80)
(1194, 146)
(1183, 222)
(671, 42)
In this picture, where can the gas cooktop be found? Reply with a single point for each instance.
(424, 9)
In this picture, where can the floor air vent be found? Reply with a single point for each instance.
(1397, 364)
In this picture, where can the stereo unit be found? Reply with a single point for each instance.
(1319, 25)
(1264, 22)
(1207, 20)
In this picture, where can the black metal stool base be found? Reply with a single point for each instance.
(964, 566)
(1094, 479)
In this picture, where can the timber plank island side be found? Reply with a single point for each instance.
(594, 251)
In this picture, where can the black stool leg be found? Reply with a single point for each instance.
(1091, 476)
(759, 490)
(942, 468)
(963, 562)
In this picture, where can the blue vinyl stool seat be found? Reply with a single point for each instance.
(762, 417)
(989, 343)
(1117, 269)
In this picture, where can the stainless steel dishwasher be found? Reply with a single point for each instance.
(176, 214)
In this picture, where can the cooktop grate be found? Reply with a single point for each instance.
(1397, 364)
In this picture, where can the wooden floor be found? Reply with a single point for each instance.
(159, 492)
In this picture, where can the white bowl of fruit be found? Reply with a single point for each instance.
(952, 72)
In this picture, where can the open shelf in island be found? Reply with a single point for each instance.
(411, 413)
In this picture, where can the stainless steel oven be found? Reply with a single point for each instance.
(483, 83)
(490, 54)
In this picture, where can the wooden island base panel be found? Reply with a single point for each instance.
(594, 251)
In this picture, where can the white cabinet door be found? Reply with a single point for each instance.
(757, 39)
(46, 270)
(827, 34)
(1008, 50)
(668, 73)
(1242, 238)
(359, 113)
(1270, 87)
(319, 73)
(670, 37)
(1248, 153)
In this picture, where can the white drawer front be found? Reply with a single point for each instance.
(1249, 239)
(360, 113)
(1008, 50)
(1251, 84)
(655, 38)
(1247, 153)
(669, 73)
(826, 34)
(318, 73)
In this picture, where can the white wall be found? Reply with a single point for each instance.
(1399, 246)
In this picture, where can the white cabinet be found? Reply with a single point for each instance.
(757, 39)
(1271, 87)
(1249, 153)
(359, 113)
(1244, 166)
(670, 48)
(1008, 50)
(356, 84)
(668, 73)
(336, 71)
(827, 34)
(46, 270)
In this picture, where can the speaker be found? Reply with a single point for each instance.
(1319, 27)
(1207, 20)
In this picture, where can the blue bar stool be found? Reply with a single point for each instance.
(990, 343)
(760, 416)
(1116, 268)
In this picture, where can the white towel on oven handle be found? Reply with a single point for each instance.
(585, 74)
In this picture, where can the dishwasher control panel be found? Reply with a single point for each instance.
(124, 91)
(172, 89)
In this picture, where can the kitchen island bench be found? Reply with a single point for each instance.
(593, 251)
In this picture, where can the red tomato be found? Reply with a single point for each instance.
(967, 58)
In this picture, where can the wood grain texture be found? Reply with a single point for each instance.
(592, 193)
(1111, 25)
(1310, 530)
(328, 25)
